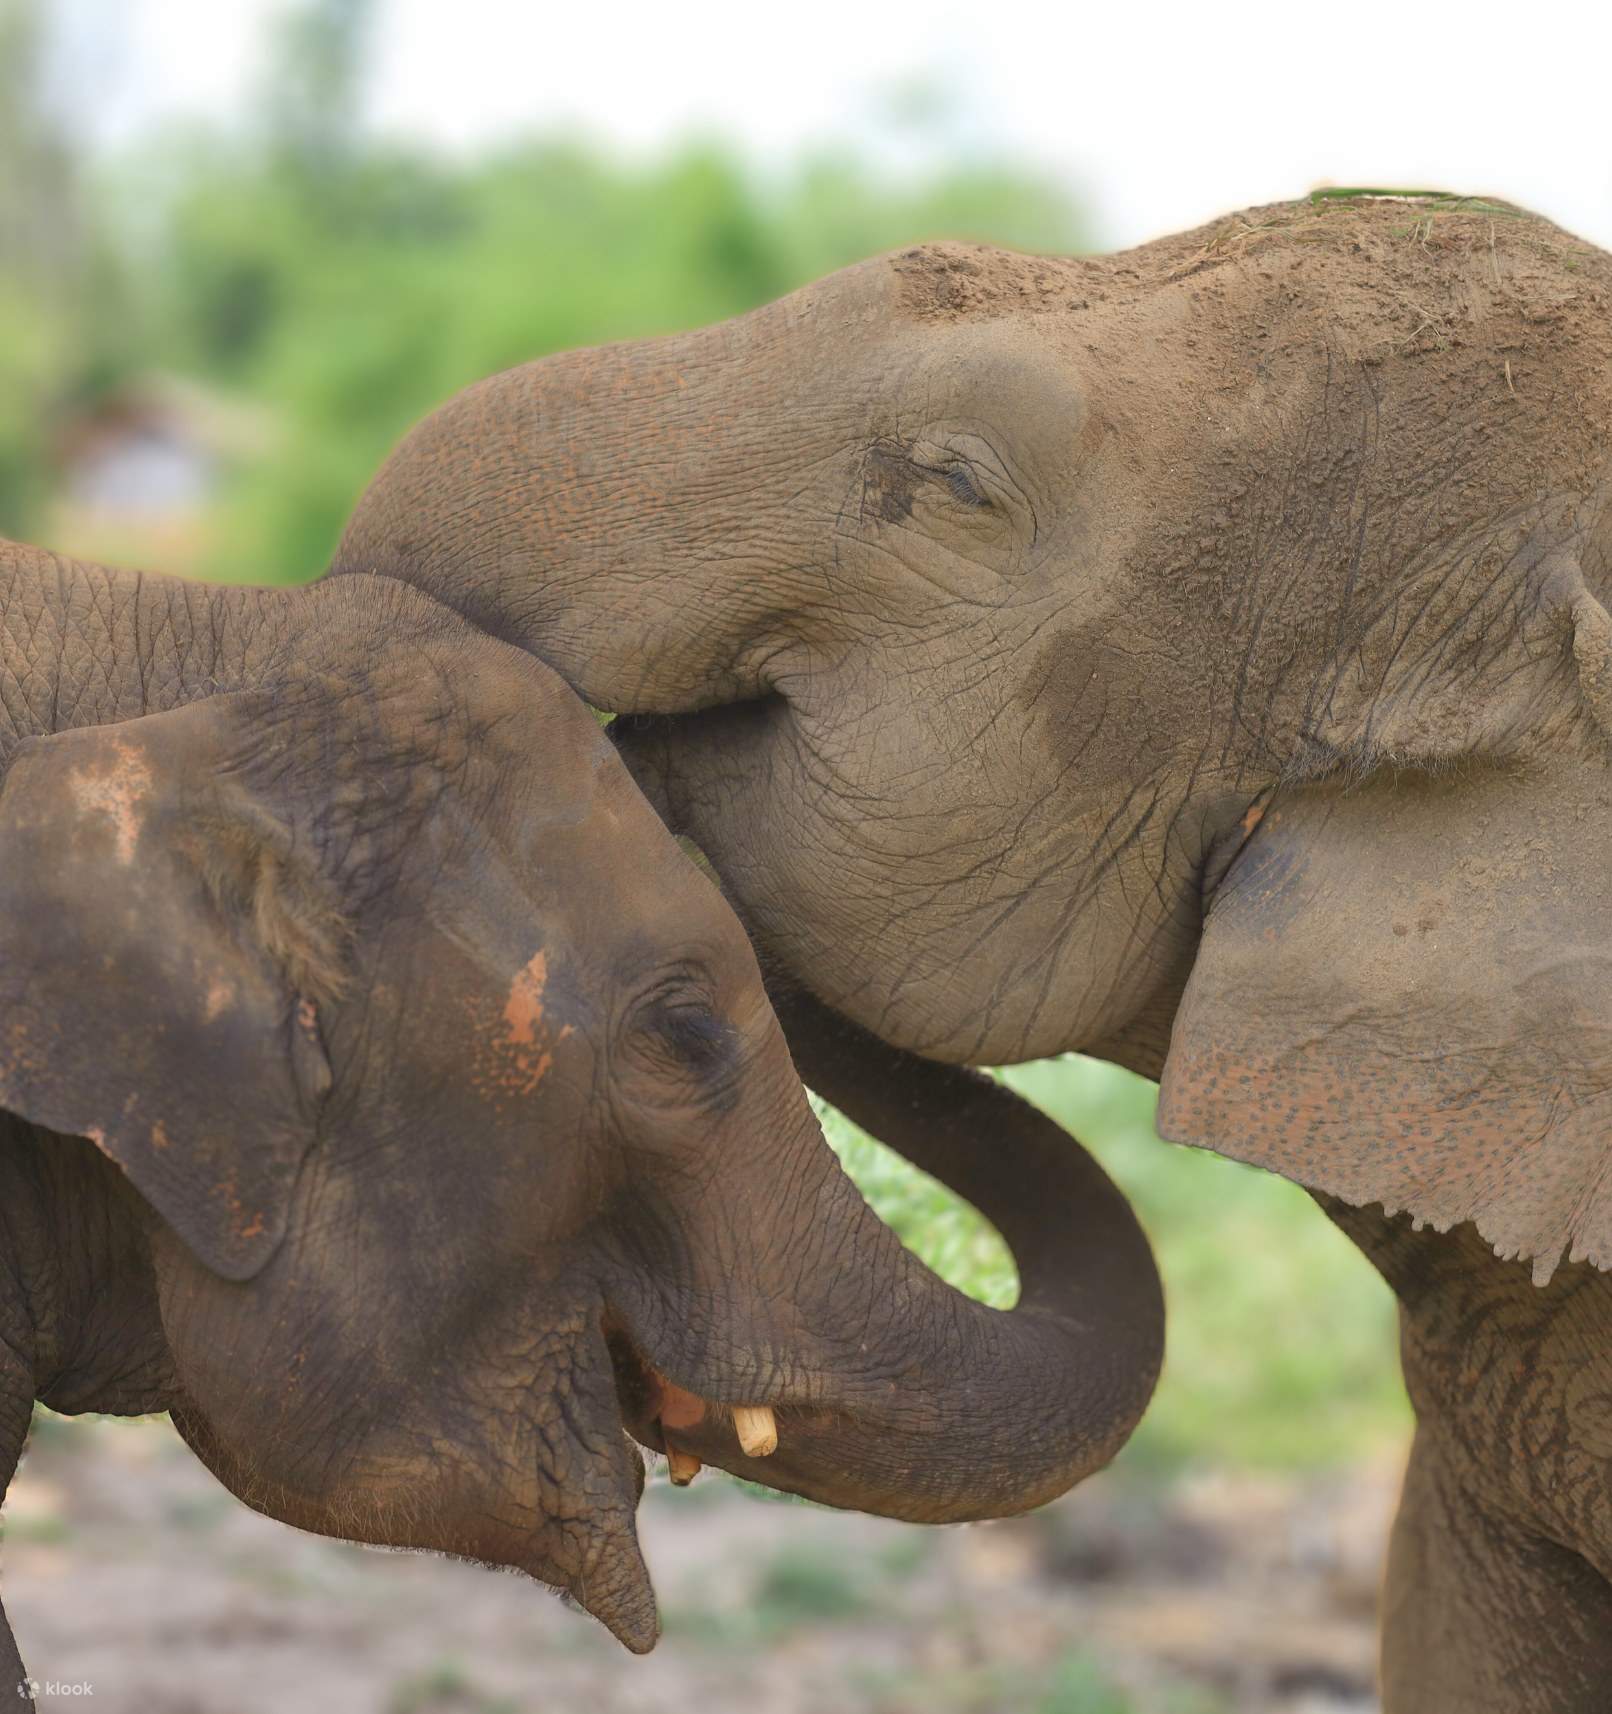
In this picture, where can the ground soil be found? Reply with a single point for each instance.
(127, 1568)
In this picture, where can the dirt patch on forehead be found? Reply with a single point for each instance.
(1475, 333)
(1371, 226)
(1392, 277)
(1451, 260)
(1343, 436)
(1454, 307)
(1479, 337)
(955, 282)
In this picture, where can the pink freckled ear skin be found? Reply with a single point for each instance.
(116, 793)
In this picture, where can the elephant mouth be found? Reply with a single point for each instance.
(863, 1380)
(821, 1433)
(687, 1429)
(610, 1579)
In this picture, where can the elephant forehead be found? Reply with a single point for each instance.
(953, 281)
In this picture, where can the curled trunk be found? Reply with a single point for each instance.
(905, 1397)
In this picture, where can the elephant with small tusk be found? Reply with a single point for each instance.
(386, 1095)
(1197, 657)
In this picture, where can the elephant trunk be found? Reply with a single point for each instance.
(904, 1397)
(555, 506)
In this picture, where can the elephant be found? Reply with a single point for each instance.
(1197, 657)
(388, 1097)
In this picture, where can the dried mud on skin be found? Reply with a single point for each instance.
(1515, 313)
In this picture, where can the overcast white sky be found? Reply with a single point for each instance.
(1164, 115)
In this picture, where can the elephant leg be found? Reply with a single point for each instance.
(12, 1672)
(1499, 1592)
(1483, 1615)
(16, 1411)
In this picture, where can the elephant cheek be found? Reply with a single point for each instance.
(730, 780)
(641, 743)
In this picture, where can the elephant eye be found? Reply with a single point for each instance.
(931, 481)
(677, 1026)
(693, 1032)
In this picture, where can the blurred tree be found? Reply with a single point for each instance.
(63, 334)
(255, 209)
(314, 94)
(444, 275)
(349, 284)
(38, 233)
(38, 243)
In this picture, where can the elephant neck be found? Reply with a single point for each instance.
(86, 645)
(79, 1323)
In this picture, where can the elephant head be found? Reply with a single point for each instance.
(985, 617)
(464, 1137)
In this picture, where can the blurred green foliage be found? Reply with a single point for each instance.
(1282, 1348)
(348, 284)
(354, 315)
(35, 358)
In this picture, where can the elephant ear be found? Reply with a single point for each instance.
(1404, 995)
(161, 960)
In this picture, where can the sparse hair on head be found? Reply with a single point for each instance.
(251, 872)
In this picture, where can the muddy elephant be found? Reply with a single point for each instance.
(1197, 657)
(384, 1093)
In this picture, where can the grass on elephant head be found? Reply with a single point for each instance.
(1457, 201)
(1282, 1342)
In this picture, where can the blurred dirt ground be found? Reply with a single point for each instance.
(127, 1568)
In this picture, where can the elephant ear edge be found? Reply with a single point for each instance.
(1403, 992)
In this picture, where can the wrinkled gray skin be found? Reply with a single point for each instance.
(1198, 657)
(410, 1134)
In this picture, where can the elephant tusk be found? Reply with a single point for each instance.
(757, 1430)
(681, 1466)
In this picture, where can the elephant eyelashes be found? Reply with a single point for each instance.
(692, 1035)
(895, 480)
(962, 488)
